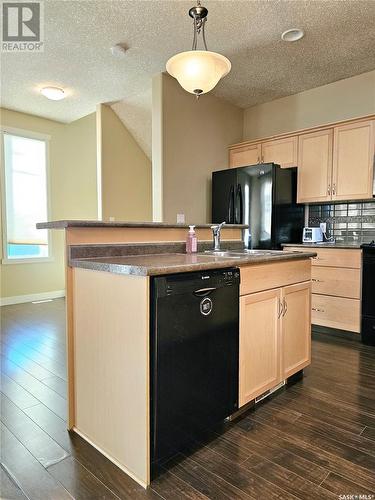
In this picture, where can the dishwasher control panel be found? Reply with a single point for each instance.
(177, 283)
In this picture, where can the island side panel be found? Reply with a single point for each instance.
(111, 367)
(86, 235)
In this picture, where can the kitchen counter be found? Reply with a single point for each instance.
(64, 224)
(338, 244)
(168, 263)
(108, 321)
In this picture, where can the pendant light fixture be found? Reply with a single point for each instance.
(198, 71)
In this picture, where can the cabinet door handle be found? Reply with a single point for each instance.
(317, 310)
(285, 307)
(334, 189)
(280, 309)
(316, 281)
(329, 189)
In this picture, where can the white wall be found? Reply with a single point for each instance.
(341, 100)
(125, 170)
(72, 153)
(190, 141)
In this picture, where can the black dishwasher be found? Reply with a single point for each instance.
(193, 356)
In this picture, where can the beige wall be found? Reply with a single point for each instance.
(125, 171)
(345, 99)
(73, 195)
(195, 136)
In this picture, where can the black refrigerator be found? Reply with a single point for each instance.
(263, 196)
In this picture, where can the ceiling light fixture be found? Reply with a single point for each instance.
(292, 35)
(53, 93)
(198, 71)
(119, 50)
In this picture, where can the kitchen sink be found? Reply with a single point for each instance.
(227, 255)
(240, 253)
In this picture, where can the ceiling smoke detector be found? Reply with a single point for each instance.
(292, 35)
(118, 50)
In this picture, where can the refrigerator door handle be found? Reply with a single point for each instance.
(239, 206)
(231, 214)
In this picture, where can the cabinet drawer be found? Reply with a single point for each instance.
(274, 275)
(336, 312)
(333, 257)
(339, 281)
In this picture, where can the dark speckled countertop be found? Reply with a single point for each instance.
(64, 224)
(168, 263)
(338, 244)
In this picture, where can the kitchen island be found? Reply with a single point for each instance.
(110, 268)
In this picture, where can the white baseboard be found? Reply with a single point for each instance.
(20, 299)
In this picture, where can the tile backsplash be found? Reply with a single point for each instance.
(346, 222)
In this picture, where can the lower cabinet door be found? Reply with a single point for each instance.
(296, 328)
(259, 344)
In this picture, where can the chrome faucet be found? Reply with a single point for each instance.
(216, 230)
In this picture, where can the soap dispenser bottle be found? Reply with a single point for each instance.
(191, 241)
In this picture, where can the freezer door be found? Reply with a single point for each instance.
(223, 196)
(254, 204)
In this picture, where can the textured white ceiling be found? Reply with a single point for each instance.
(136, 114)
(339, 42)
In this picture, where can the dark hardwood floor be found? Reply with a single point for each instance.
(316, 439)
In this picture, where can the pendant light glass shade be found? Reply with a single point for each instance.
(198, 71)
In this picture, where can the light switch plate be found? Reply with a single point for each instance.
(180, 218)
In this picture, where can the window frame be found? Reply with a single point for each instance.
(27, 134)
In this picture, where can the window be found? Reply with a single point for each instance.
(24, 197)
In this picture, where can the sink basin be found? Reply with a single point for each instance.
(226, 254)
(247, 251)
(240, 253)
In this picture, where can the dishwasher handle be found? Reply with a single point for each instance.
(203, 292)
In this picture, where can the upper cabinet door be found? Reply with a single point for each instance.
(259, 343)
(353, 161)
(315, 166)
(296, 328)
(281, 151)
(245, 155)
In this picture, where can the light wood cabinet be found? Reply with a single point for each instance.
(331, 257)
(336, 287)
(353, 161)
(296, 328)
(335, 162)
(281, 151)
(245, 155)
(336, 281)
(315, 166)
(336, 312)
(259, 344)
(275, 330)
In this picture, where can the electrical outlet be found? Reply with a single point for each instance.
(180, 218)
(111, 219)
(323, 227)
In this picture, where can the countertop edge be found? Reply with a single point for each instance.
(65, 224)
(138, 270)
